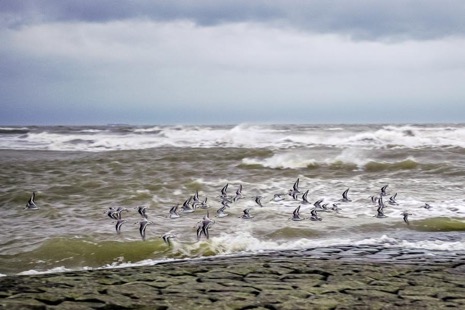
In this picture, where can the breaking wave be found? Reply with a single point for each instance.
(347, 160)
(107, 138)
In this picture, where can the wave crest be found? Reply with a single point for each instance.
(240, 136)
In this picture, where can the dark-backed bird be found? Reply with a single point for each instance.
(238, 193)
(305, 197)
(427, 206)
(224, 190)
(118, 225)
(167, 238)
(405, 215)
(174, 212)
(246, 214)
(295, 190)
(296, 215)
(143, 226)
(141, 210)
(345, 197)
(220, 212)
(31, 204)
(392, 200)
(383, 190)
(380, 212)
(186, 206)
(314, 215)
(203, 226)
(258, 201)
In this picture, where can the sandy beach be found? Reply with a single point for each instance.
(321, 278)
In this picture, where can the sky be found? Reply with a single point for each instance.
(86, 62)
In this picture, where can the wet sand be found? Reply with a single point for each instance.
(323, 278)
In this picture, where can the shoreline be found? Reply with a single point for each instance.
(346, 277)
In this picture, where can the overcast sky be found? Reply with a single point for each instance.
(231, 61)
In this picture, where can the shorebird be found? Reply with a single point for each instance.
(295, 190)
(174, 212)
(296, 215)
(258, 201)
(141, 210)
(314, 215)
(224, 191)
(238, 194)
(335, 208)
(220, 212)
(186, 207)
(380, 212)
(116, 214)
(195, 200)
(142, 226)
(277, 197)
(317, 204)
(110, 212)
(383, 190)
(203, 226)
(392, 200)
(305, 197)
(204, 204)
(118, 225)
(324, 207)
(167, 238)
(345, 197)
(246, 214)
(405, 215)
(31, 205)
(427, 206)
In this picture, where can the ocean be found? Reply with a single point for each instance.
(79, 172)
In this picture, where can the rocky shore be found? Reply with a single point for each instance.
(325, 278)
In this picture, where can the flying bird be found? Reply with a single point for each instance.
(141, 210)
(118, 225)
(142, 227)
(31, 204)
(405, 216)
(246, 214)
(383, 190)
(203, 226)
(167, 238)
(345, 197)
(296, 215)
(295, 190)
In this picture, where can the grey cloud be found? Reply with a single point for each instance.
(369, 20)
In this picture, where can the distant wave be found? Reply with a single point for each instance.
(13, 130)
(346, 160)
(108, 138)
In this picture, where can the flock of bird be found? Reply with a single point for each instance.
(194, 203)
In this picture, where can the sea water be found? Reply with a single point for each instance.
(79, 172)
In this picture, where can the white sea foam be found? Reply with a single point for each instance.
(52, 270)
(13, 128)
(290, 160)
(242, 136)
(295, 159)
(244, 243)
(431, 245)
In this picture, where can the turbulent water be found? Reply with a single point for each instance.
(78, 173)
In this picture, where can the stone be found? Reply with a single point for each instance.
(280, 280)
